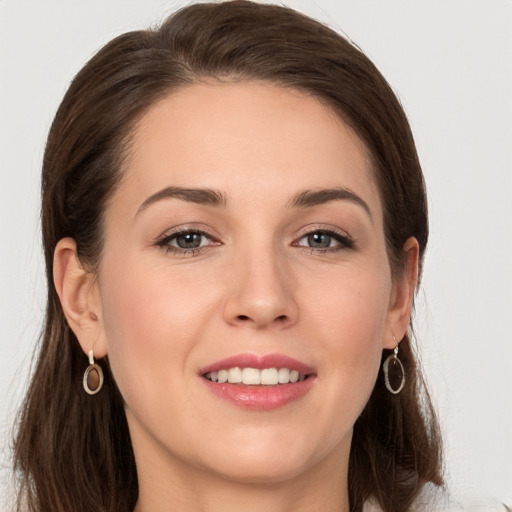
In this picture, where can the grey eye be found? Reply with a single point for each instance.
(319, 240)
(190, 240)
(325, 240)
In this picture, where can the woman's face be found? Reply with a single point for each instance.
(247, 233)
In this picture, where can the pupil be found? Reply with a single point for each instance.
(189, 241)
(319, 240)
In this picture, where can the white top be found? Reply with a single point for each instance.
(434, 499)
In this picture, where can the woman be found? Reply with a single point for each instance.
(234, 222)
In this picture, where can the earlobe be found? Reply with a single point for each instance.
(79, 297)
(403, 295)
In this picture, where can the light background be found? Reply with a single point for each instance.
(449, 61)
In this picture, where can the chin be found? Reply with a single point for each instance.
(263, 463)
(264, 472)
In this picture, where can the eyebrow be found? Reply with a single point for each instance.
(309, 198)
(193, 195)
(304, 199)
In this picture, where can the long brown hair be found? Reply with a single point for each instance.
(73, 451)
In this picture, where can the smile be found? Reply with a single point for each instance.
(259, 382)
(255, 377)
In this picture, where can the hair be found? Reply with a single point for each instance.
(72, 451)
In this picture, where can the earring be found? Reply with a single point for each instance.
(394, 373)
(93, 376)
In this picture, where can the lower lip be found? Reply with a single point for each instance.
(262, 398)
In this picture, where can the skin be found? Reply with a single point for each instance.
(254, 286)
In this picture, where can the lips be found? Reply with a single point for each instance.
(258, 382)
(258, 362)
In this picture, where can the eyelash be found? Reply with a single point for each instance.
(165, 242)
(344, 242)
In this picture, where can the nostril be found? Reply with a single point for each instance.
(278, 319)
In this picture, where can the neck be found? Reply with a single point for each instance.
(170, 484)
(218, 495)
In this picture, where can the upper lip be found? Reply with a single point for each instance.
(260, 362)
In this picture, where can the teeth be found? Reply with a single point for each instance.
(283, 376)
(269, 376)
(234, 375)
(255, 377)
(251, 376)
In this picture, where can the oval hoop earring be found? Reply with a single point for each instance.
(93, 376)
(394, 373)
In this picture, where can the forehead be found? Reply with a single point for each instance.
(245, 138)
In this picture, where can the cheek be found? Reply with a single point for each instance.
(353, 308)
(152, 321)
(352, 326)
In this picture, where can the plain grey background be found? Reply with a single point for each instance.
(450, 63)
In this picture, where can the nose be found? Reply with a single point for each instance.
(262, 292)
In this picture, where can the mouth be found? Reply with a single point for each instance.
(256, 377)
(259, 382)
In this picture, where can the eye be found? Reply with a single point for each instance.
(319, 240)
(325, 240)
(189, 240)
(186, 242)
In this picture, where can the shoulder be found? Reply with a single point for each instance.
(437, 499)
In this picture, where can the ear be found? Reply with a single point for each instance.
(80, 299)
(402, 295)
